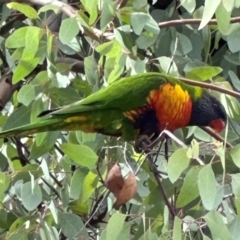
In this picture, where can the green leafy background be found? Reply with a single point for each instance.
(51, 185)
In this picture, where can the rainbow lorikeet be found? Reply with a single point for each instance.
(143, 104)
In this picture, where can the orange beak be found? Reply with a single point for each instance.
(217, 125)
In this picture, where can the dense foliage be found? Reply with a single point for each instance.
(52, 185)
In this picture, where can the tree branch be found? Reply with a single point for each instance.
(7, 89)
(210, 86)
(193, 22)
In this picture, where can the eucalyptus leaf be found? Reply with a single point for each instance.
(189, 190)
(178, 162)
(209, 9)
(31, 198)
(82, 154)
(72, 225)
(115, 226)
(68, 30)
(217, 227)
(207, 187)
(27, 10)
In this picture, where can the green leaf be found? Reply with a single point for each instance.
(45, 170)
(146, 39)
(64, 193)
(203, 73)
(89, 186)
(233, 42)
(68, 30)
(3, 162)
(206, 237)
(48, 7)
(177, 229)
(209, 9)
(118, 69)
(83, 86)
(228, 4)
(26, 94)
(72, 226)
(83, 137)
(92, 9)
(37, 107)
(234, 79)
(115, 226)
(31, 198)
(237, 3)
(223, 18)
(25, 9)
(202, 135)
(23, 68)
(19, 117)
(110, 49)
(91, 69)
(235, 153)
(4, 184)
(43, 143)
(20, 223)
(178, 162)
(108, 11)
(6, 219)
(189, 5)
(20, 235)
(152, 26)
(189, 190)
(193, 152)
(207, 187)
(184, 43)
(168, 66)
(138, 21)
(76, 183)
(17, 38)
(237, 205)
(234, 227)
(54, 211)
(63, 96)
(236, 184)
(82, 154)
(23, 173)
(32, 39)
(216, 225)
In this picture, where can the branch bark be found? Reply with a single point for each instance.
(7, 89)
(210, 86)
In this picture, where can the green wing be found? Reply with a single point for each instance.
(125, 94)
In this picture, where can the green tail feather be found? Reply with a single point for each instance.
(50, 124)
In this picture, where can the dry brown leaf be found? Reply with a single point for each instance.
(122, 189)
(114, 181)
(128, 190)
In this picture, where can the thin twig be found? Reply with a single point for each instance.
(210, 86)
(58, 149)
(216, 136)
(193, 22)
(52, 188)
(159, 184)
(178, 141)
(38, 162)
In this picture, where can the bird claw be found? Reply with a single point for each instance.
(142, 144)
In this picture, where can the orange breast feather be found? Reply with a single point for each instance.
(173, 106)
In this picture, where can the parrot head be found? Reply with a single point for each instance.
(208, 111)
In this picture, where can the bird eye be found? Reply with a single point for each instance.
(215, 106)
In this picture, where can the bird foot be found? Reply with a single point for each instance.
(142, 144)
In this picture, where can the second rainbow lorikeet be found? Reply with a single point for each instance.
(142, 104)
